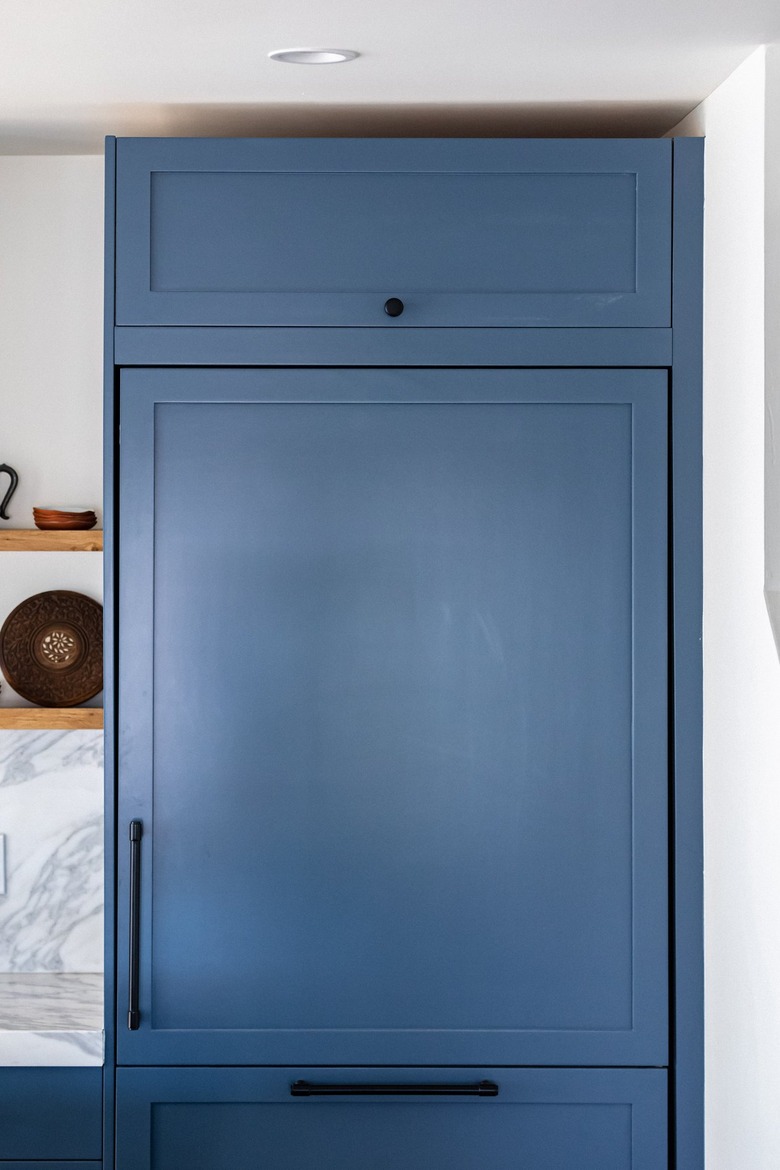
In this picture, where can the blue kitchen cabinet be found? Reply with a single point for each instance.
(68, 1165)
(324, 232)
(49, 1115)
(404, 516)
(538, 1119)
(393, 659)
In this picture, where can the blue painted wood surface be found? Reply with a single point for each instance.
(322, 232)
(50, 1113)
(396, 344)
(688, 971)
(68, 1165)
(169, 346)
(542, 1119)
(393, 713)
(110, 446)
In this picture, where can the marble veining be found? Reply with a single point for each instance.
(48, 1019)
(34, 1049)
(51, 813)
(25, 755)
(45, 1002)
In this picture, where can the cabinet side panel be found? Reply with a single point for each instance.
(688, 971)
(110, 442)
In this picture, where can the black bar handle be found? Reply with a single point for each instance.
(133, 1013)
(306, 1089)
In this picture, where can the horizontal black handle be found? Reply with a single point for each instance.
(306, 1089)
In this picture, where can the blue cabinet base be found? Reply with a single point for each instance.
(50, 1114)
(69, 1165)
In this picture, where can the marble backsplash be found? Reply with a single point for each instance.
(51, 802)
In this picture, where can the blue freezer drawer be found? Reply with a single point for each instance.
(539, 1119)
(325, 232)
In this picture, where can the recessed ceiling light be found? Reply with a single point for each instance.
(313, 56)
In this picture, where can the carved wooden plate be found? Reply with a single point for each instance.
(51, 648)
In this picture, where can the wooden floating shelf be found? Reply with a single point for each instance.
(51, 718)
(38, 540)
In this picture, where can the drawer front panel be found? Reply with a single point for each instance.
(239, 1119)
(50, 1113)
(465, 233)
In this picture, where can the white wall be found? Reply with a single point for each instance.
(51, 265)
(741, 668)
(772, 292)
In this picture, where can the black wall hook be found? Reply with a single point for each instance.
(11, 489)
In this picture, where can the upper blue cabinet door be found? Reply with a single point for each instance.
(326, 231)
(393, 716)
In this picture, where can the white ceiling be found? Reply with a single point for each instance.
(72, 72)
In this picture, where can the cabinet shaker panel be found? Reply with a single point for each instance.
(393, 716)
(393, 233)
(539, 1119)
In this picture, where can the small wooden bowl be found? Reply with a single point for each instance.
(58, 519)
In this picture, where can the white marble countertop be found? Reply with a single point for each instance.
(51, 1019)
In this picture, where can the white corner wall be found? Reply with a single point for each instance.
(741, 667)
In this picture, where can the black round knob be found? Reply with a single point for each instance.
(394, 307)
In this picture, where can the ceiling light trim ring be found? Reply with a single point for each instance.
(313, 56)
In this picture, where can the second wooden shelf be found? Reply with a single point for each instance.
(50, 718)
(38, 540)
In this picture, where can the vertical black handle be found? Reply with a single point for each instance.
(133, 1013)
